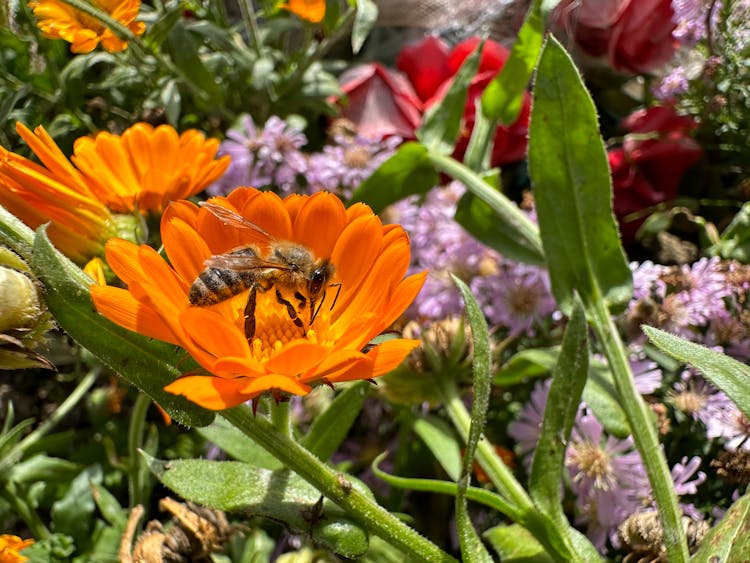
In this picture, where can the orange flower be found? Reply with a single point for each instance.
(59, 20)
(55, 192)
(311, 10)
(370, 262)
(145, 168)
(10, 546)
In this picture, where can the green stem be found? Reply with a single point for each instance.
(17, 451)
(280, 418)
(370, 514)
(136, 468)
(251, 26)
(557, 541)
(643, 430)
(22, 509)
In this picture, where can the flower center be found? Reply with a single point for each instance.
(593, 464)
(275, 327)
(357, 157)
(689, 401)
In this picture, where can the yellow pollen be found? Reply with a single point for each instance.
(594, 464)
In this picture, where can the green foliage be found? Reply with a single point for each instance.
(569, 170)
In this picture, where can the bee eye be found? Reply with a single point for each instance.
(317, 280)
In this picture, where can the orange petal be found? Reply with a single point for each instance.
(122, 257)
(296, 357)
(319, 223)
(268, 212)
(234, 367)
(186, 249)
(120, 307)
(382, 359)
(401, 298)
(258, 385)
(210, 392)
(213, 333)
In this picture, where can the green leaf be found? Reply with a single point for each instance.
(734, 242)
(364, 20)
(108, 505)
(147, 364)
(330, 428)
(183, 49)
(568, 380)
(237, 445)
(513, 234)
(171, 100)
(472, 548)
(481, 221)
(572, 189)
(526, 364)
(502, 99)
(42, 468)
(442, 122)
(280, 495)
(728, 541)
(726, 373)
(442, 442)
(407, 172)
(72, 513)
(515, 544)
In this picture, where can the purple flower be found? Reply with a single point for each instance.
(706, 287)
(683, 471)
(527, 427)
(646, 373)
(690, 17)
(730, 424)
(728, 334)
(697, 398)
(517, 297)
(343, 166)
(647, 282)
(269, 158)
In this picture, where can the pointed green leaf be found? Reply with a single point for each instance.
(183, 48)
(330, 428)
(280, 495)
(572, 189)
(15, 234)
(472, 548)
(442, 442)
(442, 122)
(514, 234)
(407, 172)
(364, 20)
(728, 541)
(568, 380)
(515, 544)
(237, 445)
(502, 99)
(726, 373)
(146, 363)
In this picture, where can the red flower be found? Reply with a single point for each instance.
(635, 36)
(381, 102)
(649, 171)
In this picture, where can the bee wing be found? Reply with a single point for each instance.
(257, 235)
(241, 260)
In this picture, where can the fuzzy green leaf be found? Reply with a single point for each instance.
(442, 122)
(572, 187)
(330, 428)
(280, 495)
(407, 172)
(364, 20)
(502, 99)
(726, 373)
(442, 442)
(472, 548)
(147, 364)
(728, 541)
(568, 380)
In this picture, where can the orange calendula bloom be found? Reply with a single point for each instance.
(311, 10)
(147, 167)
(10, 546)
(366, 294)
(55, 192)
(59, 20)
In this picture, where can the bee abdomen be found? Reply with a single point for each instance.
(215, 285)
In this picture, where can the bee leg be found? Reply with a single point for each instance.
(289, 309)
(250, 314)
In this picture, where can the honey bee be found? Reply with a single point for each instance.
(290, 268)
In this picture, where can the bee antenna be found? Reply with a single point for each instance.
(337, 285)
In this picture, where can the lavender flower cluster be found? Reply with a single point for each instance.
(272, 157)
(515, 297)
(707, 303)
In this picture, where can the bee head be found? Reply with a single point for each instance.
(319, 278)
